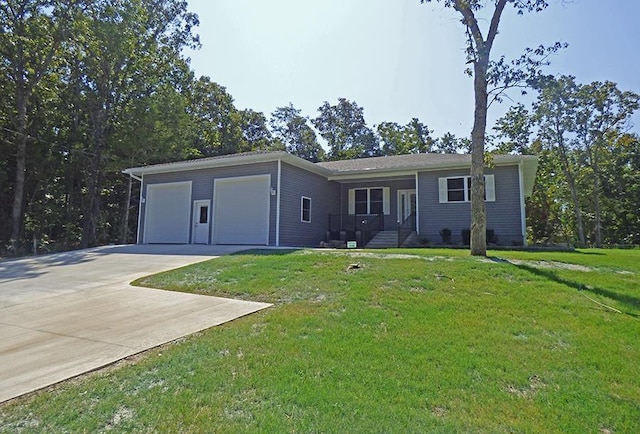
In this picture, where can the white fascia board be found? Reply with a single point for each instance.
(226, 162)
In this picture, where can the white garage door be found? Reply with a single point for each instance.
(241, 210)
(167, 218)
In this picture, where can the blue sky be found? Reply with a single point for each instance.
(397, 59)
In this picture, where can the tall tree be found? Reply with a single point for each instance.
(255, 133)
(345, 130)
(555, 114)
(31, 32)
(502, 76)
(121, 52)
(293, 130)
(217, 122)
(602, 113)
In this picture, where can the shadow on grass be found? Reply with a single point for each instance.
(266, 252)
(627, 300)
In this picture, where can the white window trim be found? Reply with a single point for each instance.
(302, 198)
(489, 188)
(386, 202)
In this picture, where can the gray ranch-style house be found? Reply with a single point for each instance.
(278, 199)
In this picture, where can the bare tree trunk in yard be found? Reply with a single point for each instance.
(478, 212)
(481, 51)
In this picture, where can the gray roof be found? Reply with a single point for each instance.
(400, 162)
(349, 169)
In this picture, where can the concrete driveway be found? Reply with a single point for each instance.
(65, 314)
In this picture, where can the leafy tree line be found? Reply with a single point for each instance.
(92, 87)
(587, 189)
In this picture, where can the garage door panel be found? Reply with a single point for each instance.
(168, 217)
(242, 210)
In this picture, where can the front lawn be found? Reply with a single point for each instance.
(408, 341)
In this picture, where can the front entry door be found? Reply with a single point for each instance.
(201, 217)
(406, 204)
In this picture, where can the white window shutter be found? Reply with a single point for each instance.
(386, 206)
(490, 188)
(352, 201)
(442, 188)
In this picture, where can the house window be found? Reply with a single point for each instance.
(458, 189)
(305, 209)
(369, 200)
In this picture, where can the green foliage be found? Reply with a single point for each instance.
(293, 130)
(345, 130)
(413, 138)
(413, 341)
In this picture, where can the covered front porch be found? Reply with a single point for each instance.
(375, 213)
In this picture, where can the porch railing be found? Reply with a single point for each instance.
(405, 228)
(355, 227)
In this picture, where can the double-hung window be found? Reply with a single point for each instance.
(458, 189)
(369, 200)
(305, 209)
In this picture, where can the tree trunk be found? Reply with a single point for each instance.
(92, 202)
(478, 215)
(571, 182)
(21, 162)
(596, 200)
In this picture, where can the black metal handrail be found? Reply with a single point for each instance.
(359, 227)
(405, 228)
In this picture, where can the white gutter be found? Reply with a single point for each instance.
(278, 203)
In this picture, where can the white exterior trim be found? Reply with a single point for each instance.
(278, 185)
(523, 212)
(417, 205)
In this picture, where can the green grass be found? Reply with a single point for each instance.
(414, 341)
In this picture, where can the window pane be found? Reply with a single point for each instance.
(361, 208)
(376, 208)
(306, 209)
(455, 196)
(375, 195)
(455, 189)
(204, 214)
(455, 183)
(361, 196)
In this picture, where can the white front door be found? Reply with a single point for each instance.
(406, 204)
(201, 217)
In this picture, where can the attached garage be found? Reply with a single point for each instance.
(241, 210)
(167, 213)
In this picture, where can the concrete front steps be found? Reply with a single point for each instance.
(389, 239)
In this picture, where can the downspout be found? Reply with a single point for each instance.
(523, 218)
(140, 203)
(417, 207)
(278, 203)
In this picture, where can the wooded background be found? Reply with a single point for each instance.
(92, 87)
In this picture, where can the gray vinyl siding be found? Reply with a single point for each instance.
(325, 200)
(390, 220)
(503, 215)
(202, 187)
